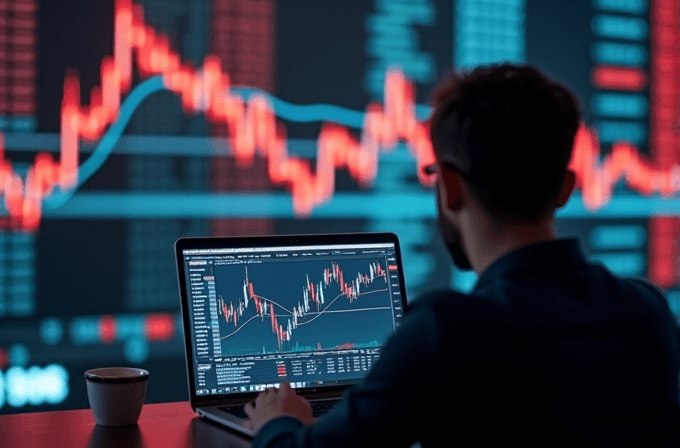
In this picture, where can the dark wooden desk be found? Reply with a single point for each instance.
(165, 425)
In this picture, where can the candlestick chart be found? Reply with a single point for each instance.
(302, 305)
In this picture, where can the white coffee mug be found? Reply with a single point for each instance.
(116, 394)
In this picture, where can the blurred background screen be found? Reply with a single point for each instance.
(97, 187)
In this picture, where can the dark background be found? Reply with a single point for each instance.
(77, 269)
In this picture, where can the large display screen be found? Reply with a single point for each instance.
(127, 124)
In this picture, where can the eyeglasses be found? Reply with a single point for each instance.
(431, 170)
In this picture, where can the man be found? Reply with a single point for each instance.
(548, 350)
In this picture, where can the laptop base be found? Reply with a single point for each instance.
(224, 418)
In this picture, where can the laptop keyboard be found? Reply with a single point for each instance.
(234, 410)
(319, 408)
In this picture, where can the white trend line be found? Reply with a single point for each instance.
(324, 310)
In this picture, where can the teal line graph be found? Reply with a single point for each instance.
(123, 204)
(108, 141)
(283, 109)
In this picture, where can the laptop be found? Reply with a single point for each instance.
(311, 310)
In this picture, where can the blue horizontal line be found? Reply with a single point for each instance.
(276, 205)
(158, 145)
(124, 205)
(618, 27)
(620, 105)
(608, 237)
(307, 113)
(627, 6)
(312, 113)
(619, 53)
(613, 131)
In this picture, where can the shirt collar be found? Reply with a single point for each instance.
(553, 255)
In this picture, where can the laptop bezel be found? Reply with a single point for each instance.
(265, 241)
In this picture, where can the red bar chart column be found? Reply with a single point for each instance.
(243, 39)
(18, 59)
(664, 139)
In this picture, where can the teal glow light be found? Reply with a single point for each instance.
(619, 27)
(625, 6)
(18, 355)
(608, 237)
(610, 131)
(17, 389)
(622, 263)
(129, 326)
(35, 385)
(617, 53)
(136, 349)
(84, 330)
(621, 105)
(51, 331)
(489, 31)
(393, 39)
(463, 281)
(53, 385)
(673, 298)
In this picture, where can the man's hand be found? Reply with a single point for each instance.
(273, 403)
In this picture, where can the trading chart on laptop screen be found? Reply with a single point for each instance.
(309, 315)
(129, 123)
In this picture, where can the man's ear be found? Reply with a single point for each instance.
(567, 188)
(451, 194)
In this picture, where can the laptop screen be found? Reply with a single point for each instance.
(310, 315)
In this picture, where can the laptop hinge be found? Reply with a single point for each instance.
(322, 395)
(225, 401)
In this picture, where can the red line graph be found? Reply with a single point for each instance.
(597, 180)
(313, 293)
(252, 128)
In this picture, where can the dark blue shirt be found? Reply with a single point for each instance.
(547, 350)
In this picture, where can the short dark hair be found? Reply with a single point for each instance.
(510, 130)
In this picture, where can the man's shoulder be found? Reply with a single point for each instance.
(456, 304)
(645, 287)
(436, 299)
(652, 294)
(486, 305)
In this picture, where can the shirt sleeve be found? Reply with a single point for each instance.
(664, 303)
(388, 408)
